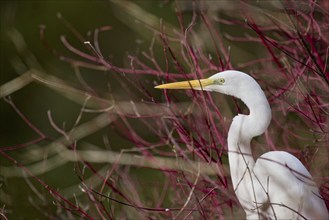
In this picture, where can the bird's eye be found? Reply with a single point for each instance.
(220, 81)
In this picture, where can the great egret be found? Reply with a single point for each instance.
(277, 185)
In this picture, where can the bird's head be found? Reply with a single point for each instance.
(230, 82)
(240, 85)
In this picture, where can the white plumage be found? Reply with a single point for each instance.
(276, 185)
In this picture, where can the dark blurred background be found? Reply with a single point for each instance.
(132, 27)
(34, 100)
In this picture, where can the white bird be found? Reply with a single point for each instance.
(276, 185)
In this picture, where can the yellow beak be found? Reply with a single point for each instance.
(191, 84)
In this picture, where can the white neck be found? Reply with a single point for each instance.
(242, 130)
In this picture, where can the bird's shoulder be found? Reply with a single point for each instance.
(283, 161)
